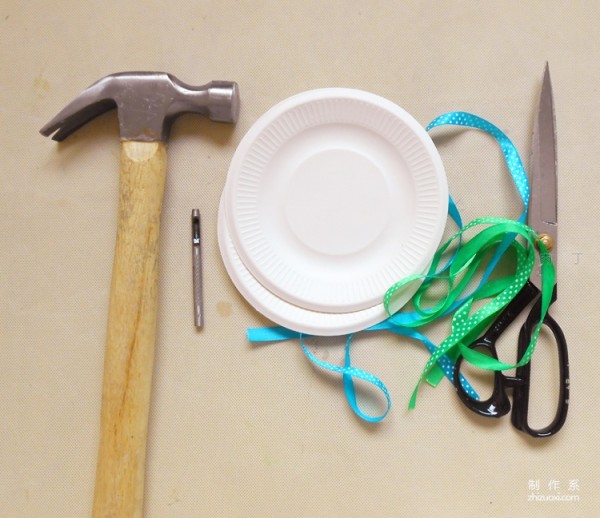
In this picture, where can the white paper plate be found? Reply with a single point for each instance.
(287, 314)
(334, 195)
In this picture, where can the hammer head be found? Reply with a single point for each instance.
(147, 103)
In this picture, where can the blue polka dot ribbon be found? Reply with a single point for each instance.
(511, 155)
(349, 372)
(441, 362)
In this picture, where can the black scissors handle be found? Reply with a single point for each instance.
(498, 404)
(521, 390)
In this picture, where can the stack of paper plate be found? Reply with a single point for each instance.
(331, 197)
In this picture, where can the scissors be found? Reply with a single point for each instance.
(542, 217)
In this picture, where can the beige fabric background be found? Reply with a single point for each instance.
(241, 430)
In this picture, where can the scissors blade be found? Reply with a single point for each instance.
(542, 215)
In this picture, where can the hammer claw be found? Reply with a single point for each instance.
(73, 117)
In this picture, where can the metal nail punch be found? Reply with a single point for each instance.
(197, 267)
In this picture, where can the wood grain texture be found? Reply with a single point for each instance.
(129, 353)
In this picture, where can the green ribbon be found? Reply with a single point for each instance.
(466, 325)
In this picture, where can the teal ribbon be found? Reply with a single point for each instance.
(401, 323)
(349, 372)
(511, 155)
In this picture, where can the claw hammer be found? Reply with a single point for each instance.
(147, 104)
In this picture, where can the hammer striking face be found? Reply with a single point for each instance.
(147, 104)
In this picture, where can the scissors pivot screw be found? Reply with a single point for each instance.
(547, 240)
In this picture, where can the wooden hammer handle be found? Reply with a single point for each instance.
(129, 354)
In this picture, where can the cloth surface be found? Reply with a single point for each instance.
(244, 430)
